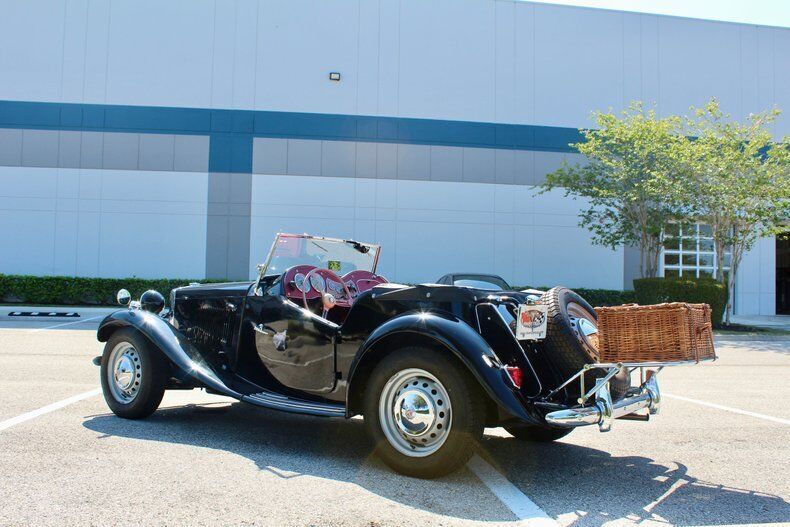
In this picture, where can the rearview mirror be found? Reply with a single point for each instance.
(123, 297)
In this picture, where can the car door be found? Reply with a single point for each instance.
(295, 345)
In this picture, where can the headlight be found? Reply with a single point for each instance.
(152, 301)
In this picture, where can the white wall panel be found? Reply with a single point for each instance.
(103, 222)
(698, 60)
(31, 37)
(429, 228)
(578, 64)
(299, 43)
(74, 39)
(523, 63)
(96, 42)
(504, 67)
(160, 53)
(447, 59)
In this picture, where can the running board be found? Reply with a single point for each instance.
(277, 401)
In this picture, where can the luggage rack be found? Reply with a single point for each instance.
(603, 411)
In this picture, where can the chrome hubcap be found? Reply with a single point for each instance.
(415, 412)
(585, 327)
(124, 372)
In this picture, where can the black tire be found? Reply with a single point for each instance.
(467, 406)
(151, 372)
(568, 348)
(537, 434)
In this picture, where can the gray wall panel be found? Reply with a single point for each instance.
(40, 148)
(546, 162)
(387, 161)
(121, 151)
(414, 162)
(91, 149)
(157, 152)
(479, 165)
(447, 163)
(10, 147)
(269, 155)
(191, 153)
(338, 158)
(217, 246)
(304, 157)
(366, 160)
(240, 188)
(505, 166)
(218, 187)
(524, 167)
(228, 225)
(69, 147)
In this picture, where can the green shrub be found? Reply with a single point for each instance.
(597, 297)
(695, 291)
(69, 290)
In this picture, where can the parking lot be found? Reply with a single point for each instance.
(719, 454)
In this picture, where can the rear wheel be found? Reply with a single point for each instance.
(424, 411)
(572, 339)
(537, 433)
(133, 375)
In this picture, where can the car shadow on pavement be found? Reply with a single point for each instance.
(560, 477)
(637, 488)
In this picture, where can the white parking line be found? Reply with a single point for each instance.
(524, 508)
(8, 423)
(66, 324)
(729, 409)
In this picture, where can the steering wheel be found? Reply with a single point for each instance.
(327, 298)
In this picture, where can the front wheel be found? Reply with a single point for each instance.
(424, 411)
(133, 375)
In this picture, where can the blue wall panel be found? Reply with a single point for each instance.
(231, 131)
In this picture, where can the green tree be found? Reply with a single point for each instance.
(736, 180)
(632, 158)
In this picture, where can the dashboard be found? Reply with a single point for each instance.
(295, 285)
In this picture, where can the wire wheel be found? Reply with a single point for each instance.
(415, 412)
(125, 372)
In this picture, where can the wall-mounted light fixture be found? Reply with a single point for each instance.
(334, 76)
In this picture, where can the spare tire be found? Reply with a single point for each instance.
(572, 340)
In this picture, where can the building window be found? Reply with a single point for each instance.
(689, 251)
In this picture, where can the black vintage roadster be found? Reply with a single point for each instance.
(428, 366)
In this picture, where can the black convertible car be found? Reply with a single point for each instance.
(428, 366)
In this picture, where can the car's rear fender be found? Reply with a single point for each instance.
(171, 342)
(444, 331)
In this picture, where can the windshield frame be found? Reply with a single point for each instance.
(262, 268)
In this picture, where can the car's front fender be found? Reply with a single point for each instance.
(459, 338)
(169, 341)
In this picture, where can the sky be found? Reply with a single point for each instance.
(765, 12)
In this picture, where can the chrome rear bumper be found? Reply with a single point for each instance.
(604, 411)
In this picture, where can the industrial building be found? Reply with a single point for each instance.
(175, 138)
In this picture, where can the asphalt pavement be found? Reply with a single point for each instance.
(718, 454)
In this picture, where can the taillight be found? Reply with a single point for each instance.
(515, 374)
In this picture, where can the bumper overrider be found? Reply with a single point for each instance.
(603, 411)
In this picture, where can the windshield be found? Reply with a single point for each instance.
(340, 256)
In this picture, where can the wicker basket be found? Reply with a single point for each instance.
(659, 333)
